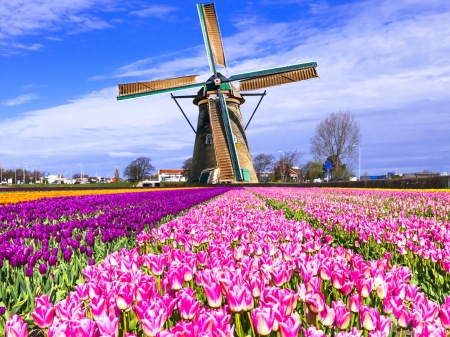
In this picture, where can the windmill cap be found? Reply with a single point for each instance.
(226, 85)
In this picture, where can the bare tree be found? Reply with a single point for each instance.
(336, 137)
(262, 162)
(138, 169)
(283, 166)
(117, 174)
(187, 168)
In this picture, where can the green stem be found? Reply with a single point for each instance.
(251, 323)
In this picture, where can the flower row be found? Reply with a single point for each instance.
(234, 266)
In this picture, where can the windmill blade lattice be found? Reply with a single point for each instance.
(278, 79)
(211, 35)
(137, 89)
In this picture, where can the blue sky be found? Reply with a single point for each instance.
(60, 62)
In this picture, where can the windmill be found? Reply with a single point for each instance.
(221, 151)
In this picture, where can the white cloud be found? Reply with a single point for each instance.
(157, 11)
(30, 17)
(122, 154)
(20, 99)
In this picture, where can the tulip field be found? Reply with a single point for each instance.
(227, 262)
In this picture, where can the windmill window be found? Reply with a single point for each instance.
(208, 139)
(235, 139)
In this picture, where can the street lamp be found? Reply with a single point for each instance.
(15, 175)
(81, 169)
(359, 161)
(23, 171)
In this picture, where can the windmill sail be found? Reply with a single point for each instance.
(229, 136)
(278, 79)
(133, 90)
(211, 35)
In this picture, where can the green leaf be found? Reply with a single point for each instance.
(16, 308)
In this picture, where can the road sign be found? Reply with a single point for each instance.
(328, 165)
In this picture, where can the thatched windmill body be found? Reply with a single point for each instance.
(221, 151)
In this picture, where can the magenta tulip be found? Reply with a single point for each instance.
(213, 293)
(355, 302)
(43, 315)
(263, 320)
(16, 327)
(289, 327)
(108, 326)
(188, 306)
(342, 317)
(369, 318)
(315, 301)
(125, 296)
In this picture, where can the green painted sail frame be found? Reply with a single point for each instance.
(229, 134)
(201, 15)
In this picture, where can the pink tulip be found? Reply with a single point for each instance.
(347, 288)
(364, 287)
(175, 278)
(313, 332)
(444, 314)
(342, 316)
(263, 320)
(325, 272)
(327, 316)
(84, 327)
(82, 291)
(188, 306)
(404, 318)
(256, 286)
(385, 325)
(125, 296)
(157, 264)
(108, 326)
(16, 327)
(236, 298)
(369, 318)
(376, 333)
(213, 294)
(98, 307)
(61, 330)
(411, 292)
(382, 291)
(289, 327)
(355, 302)
(42, 300)
(43, 315)
(315, 301)
(337, 279)
(152, 322)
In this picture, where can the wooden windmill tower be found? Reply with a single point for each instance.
(221, 149)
